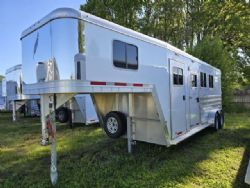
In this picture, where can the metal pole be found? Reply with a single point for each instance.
(71, 113)
(13, 110)
(129, 122)
(45, 136)
(52, 131)
(129, 136)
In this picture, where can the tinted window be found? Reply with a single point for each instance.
(211, 81)
(194, 80)
(125, 55)
(131, 56)
(177, 76)
(119, 53)
(15, 89)
(203, 79)
(78, 70)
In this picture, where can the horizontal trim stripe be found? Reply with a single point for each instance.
(98, 83)
(120, 84)
(138, 85)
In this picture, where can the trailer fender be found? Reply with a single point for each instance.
(211, 115)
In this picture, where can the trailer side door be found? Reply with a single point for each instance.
(178, 98)
(194, 109)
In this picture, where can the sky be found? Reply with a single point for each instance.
(16, 16)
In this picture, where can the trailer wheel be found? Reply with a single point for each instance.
(217, 121)
(62, 115)
(221, 119)
(115, 124)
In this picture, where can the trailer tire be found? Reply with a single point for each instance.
(115, 124)
(217, 122)
(62, 115)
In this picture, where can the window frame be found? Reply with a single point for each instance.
(126, 64)
(203, 79)
(179, 76)
(196, 80)
(210, 81)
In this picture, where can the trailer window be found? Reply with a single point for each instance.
(194, 80)
(177, 76)
(131, 56)
(119, 54)
(125, 55)
(211, 81)
(203, 79)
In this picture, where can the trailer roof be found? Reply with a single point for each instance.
(16, 67)
(72, 13)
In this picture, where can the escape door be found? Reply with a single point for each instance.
(178, 98)
(194, 108)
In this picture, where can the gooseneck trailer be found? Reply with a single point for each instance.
(143, 89)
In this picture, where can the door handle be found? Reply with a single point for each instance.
(197, 99)
(184, 97)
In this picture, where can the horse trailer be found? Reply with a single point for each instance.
(143, 89)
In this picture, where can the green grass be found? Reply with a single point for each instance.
(88, 158)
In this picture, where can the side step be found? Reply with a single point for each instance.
(189, 133)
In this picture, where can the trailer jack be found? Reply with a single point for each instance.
(51, 125)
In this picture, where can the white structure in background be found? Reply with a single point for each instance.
(12, 89)
(79, 109)
(143, 88)
(2, 97)
(247, 176)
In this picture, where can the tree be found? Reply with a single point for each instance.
(123, 12)
(185, 23)
(212, 51)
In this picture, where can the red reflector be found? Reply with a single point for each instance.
(120, 84)
(98, 83)
(138, 85)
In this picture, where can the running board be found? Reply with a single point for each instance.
(189, 133)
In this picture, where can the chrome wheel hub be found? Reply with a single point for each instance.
(112, 125)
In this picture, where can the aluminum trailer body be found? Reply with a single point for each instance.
(160, 93)
(174, 92)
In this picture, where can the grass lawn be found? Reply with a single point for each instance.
(88, 158)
